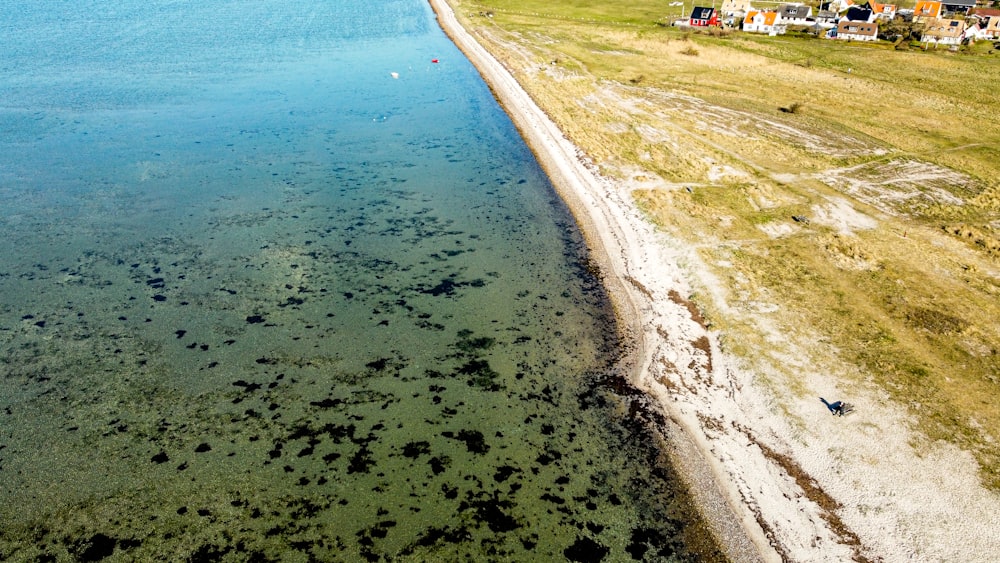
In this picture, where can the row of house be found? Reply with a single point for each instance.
(846, 21)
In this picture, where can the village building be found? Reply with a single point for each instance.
(827, 18)
(837, 6)
(884, 12)
(860, 14)
(795, 14)
(943, 32)
(957, 7)
(704, 17)
(926, 10)
(735, 8)
(763, 22)
(983, 14)
(991, 30)
(857, 31)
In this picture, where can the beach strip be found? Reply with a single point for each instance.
(616, 245)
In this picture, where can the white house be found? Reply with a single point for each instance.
(848, 30)
(763, 22)
(943, 32)
(795, 14)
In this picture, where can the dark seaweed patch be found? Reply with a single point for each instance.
(97, 547)
(474, 440)
(361, 461)
(643, 539)
(480, 374)
(413, 450)
(504, 472)
(553, 498)
(471, 345)
(439, 464)
(433, 536)
(161, 457)
(446, 287)
(326, 403)
(586, 550)
(255, 319)
(209, 552)
(548, 457)
(492, 512)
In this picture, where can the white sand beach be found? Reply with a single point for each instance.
(778, 477)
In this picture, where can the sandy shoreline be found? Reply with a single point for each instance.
(777, 477)
(613, 244)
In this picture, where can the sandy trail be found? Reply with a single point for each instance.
(778, 477)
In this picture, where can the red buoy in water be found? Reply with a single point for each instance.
(434, 60)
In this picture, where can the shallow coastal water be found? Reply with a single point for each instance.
(276, 285)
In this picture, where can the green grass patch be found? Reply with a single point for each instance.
(912, 303)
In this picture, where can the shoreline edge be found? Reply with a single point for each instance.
(738, 535)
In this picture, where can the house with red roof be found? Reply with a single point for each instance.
(882, 11)
(926, 10)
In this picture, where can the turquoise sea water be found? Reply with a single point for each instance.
(263, 299)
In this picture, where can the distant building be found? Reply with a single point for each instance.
(735, 9)
(827, 18)
(857, 31)
(860, 14)
(943, 32)
(795, 14)
(992, 28)
(926, 10)
(958, 6)
(984, 13)
(704, 17)
(763, 22)
(836, 6)
(882, 11)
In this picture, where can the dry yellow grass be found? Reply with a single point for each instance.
(895, 282)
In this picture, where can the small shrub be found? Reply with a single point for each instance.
(690, 51)
(794, 107)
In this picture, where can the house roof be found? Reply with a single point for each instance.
(882, 8)
(794, 11)
(769, 17)
(859, 14)
(836, 5)
(944, 28)
(735, 6)
(984, 12)
(700, 13)
(927, 8)
(959, 3)
(846, 27)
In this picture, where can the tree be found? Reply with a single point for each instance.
(899, 29)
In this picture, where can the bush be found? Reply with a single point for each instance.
(794, 107)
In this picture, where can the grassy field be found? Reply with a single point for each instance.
(890, 160)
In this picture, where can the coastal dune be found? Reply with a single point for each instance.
(843, 488)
